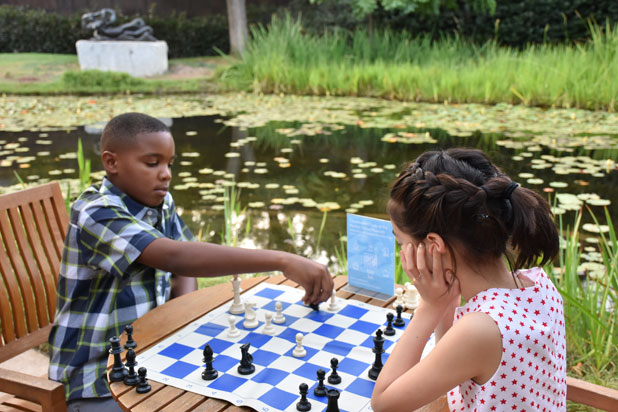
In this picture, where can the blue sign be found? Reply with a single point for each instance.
(371, 256)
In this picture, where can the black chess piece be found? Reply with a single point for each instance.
(333, 403)
(303, 404)
(131, 379)
(389, 331)
(130, 343)
(399, 322)
(334, 378)
(378, 345)
(143, 386)
(320, 390)
(209, 373)
(315, 306)
(118, 371)
(246, 366)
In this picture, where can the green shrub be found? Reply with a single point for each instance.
(24, 29)
(515, 23)
(96, 79)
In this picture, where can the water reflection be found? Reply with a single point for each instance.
(289, 180)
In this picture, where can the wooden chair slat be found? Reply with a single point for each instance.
(8, 328)
(60, 212)
(48, 241)
(17, 346)
(40, 243)
(56, 228)
(24, 266)
(36, 262)
(9, 277)
(57, 217)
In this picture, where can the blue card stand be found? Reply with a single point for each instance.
(371, 257)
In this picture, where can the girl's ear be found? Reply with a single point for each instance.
(110, 163)
(435, 241)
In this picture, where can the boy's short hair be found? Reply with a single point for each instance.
(122, 129)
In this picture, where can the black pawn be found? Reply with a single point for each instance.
(334, 378)
(333, 403)
(389, 331)
(131, 379)
(399, 322)
(143, 386)
(246, 366)
(209, 373)
(378, 344)
(320, 390)
(118, 371)
(303, 404)
(130, 343)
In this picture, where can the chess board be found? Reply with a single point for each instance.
(346, 334)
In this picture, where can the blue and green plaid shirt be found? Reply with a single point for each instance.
(101, 287)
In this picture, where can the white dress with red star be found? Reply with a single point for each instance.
(532, 373)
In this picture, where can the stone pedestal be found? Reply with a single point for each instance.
(137, 58)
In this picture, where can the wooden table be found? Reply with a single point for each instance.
(177, 313)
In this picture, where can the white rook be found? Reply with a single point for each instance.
(137, 58)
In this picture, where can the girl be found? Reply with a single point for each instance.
(456, 216)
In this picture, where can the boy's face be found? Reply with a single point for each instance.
(142, 170)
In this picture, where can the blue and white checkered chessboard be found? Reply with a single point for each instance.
(346, 334)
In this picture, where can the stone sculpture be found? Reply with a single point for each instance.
(102, 22)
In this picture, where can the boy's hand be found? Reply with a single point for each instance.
(312, 276)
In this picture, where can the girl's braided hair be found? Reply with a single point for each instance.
(460, 195)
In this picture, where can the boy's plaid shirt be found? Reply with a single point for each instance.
(101, 288)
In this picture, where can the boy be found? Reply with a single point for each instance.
(123, 243)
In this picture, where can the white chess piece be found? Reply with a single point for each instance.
(399, 298)
(279, 318)
(332, 305)
(299, 351)
(250, 316)
(233, 331)
(236, 308)
(268, 329)
(411, 300)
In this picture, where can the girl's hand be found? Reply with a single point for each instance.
(438, 287)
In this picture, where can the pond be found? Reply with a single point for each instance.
(298, 176)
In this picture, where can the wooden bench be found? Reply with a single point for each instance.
(33, 224)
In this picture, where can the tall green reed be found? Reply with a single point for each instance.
(283, 58)
(589, 301)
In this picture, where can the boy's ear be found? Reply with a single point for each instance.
(110, 162)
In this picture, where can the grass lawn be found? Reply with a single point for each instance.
(43, 73)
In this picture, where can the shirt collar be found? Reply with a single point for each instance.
(133, 206)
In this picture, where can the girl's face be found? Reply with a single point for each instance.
(404, 239)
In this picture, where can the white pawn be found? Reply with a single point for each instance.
(279, 318)
(332, 305)
(233, 331)
(250, 316)
(299, 351)
(236, 307)
(268, 329)
(411, 297)
(399, 298)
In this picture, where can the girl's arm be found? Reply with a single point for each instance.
(471, 349)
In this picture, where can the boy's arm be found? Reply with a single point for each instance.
(181, 285)
(207, 260)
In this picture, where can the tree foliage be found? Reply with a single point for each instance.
(367, 7)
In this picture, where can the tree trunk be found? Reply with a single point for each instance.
(237, 23)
